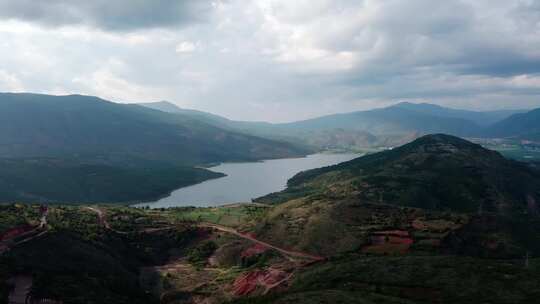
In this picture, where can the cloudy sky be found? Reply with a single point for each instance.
(276, 60)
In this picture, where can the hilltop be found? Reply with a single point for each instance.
(432, 177)
(439, 172)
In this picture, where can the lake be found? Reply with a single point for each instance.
(245, 181)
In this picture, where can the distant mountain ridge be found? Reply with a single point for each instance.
(390, 126)
(522, 125)
(169, 107)
(33, 125)
(482, 118)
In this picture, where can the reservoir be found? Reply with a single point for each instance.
(245, 181)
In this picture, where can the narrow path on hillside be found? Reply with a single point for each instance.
(103, 221)
(101, 217)
(251, 238)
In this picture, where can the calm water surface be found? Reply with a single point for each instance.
(245, 181)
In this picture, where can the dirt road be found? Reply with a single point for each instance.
(251, 238)
(101, 217)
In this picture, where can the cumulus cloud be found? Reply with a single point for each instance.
(278, 60)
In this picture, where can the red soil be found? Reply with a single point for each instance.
(389, 242)
(256, 249)
(249, 282)
(399, 233)
(383, 239)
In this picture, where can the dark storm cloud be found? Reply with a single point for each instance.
(503, 67)
(117, 15)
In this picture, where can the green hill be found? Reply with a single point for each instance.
(85, 149)
(438, 177)
(82, 126)
(54, 180)
(433, 172)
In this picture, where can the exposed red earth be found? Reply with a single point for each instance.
(254, 250)
(264, 280)
(267, 279)
(389, 242)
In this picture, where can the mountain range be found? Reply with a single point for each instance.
(78, 138)
(78, 126)
(390, 126)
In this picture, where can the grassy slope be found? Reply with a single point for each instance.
(79, 262)
(434, 172)
(478, 257)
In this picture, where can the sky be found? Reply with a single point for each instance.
(276, 60)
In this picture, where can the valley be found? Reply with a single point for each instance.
(371, 230)
(83, 149)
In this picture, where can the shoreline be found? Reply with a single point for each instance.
(205, 203)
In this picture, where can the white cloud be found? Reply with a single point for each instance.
(286, 60)
(9, 82)
(185, 47)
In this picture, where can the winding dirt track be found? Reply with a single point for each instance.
(251, 238)
(103, 221)
(101, 217)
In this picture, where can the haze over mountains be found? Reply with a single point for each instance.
(390, 126)
(523, 125)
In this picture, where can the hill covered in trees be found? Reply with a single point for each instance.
(81, 148)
